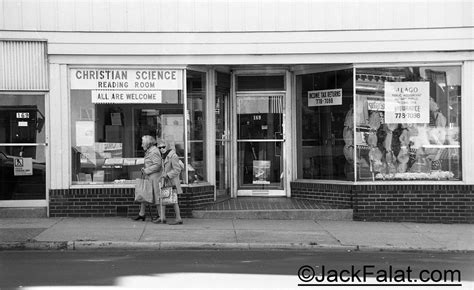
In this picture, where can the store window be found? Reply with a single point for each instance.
(324, 136)
(408, 123)
(111, 109)
(196, 96)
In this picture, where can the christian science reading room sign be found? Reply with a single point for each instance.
(126, 86)
(407, 102)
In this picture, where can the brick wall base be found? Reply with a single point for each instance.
(109, 202)
(414, 203)
(335, 195)
(395, 203)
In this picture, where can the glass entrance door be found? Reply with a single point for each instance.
(260, 142)
(22, 148)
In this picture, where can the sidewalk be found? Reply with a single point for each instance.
(123, 233)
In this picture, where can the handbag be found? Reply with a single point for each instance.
(168, 194)
(144, 190)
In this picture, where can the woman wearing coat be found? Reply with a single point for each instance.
(152, 169)
(171, 172)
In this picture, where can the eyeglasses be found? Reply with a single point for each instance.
(161, 147)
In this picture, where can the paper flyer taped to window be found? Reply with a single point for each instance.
(261, 171)
(407, 102)
(22, 166)
(85, 133)
(325, 98)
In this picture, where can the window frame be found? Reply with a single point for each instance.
(69, 68)
(461, 148)
(307, 71)
(355, 66)
(45, 145)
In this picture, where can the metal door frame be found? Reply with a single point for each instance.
(227, 138)
(33, 202)
(286, 171)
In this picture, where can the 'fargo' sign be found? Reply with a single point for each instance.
(407, 102)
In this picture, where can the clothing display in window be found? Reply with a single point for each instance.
(412, 150)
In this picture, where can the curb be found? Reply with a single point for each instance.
(157, 246)
(409, 249)
(114, 245)
(34, 245)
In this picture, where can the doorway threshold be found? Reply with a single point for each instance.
(279, 208)
(266, 203)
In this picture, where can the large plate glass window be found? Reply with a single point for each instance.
(22, 147)
(408, 123)
(324, 125)
(196, 106)
(111, 109)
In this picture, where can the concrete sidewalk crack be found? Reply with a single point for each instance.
(60, 220)
(329, 233)
(143, 232)
(235, 232)
(422, 234)
(45, 229)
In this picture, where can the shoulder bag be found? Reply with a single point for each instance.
(144, 190)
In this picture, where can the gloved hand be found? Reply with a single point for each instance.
(165, 180)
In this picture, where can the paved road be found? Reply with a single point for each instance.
(209, 268)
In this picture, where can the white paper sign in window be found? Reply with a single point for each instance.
(261, 171)
(85, 133)
(407, 102)
(325, 98)
(23, 166)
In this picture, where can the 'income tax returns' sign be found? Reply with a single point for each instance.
(325, 98)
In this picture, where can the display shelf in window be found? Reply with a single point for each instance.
(373, 82)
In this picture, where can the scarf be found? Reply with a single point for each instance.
(165, 154)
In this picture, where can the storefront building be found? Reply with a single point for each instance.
(280, 99)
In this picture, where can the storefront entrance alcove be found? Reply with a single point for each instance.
(259, 126)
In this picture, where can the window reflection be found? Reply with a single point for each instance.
(196, 96)
(324, 141)
(22, 153)
(408, 123)
(107, 141)
(106, 138)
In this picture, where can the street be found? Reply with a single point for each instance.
(214, 268)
